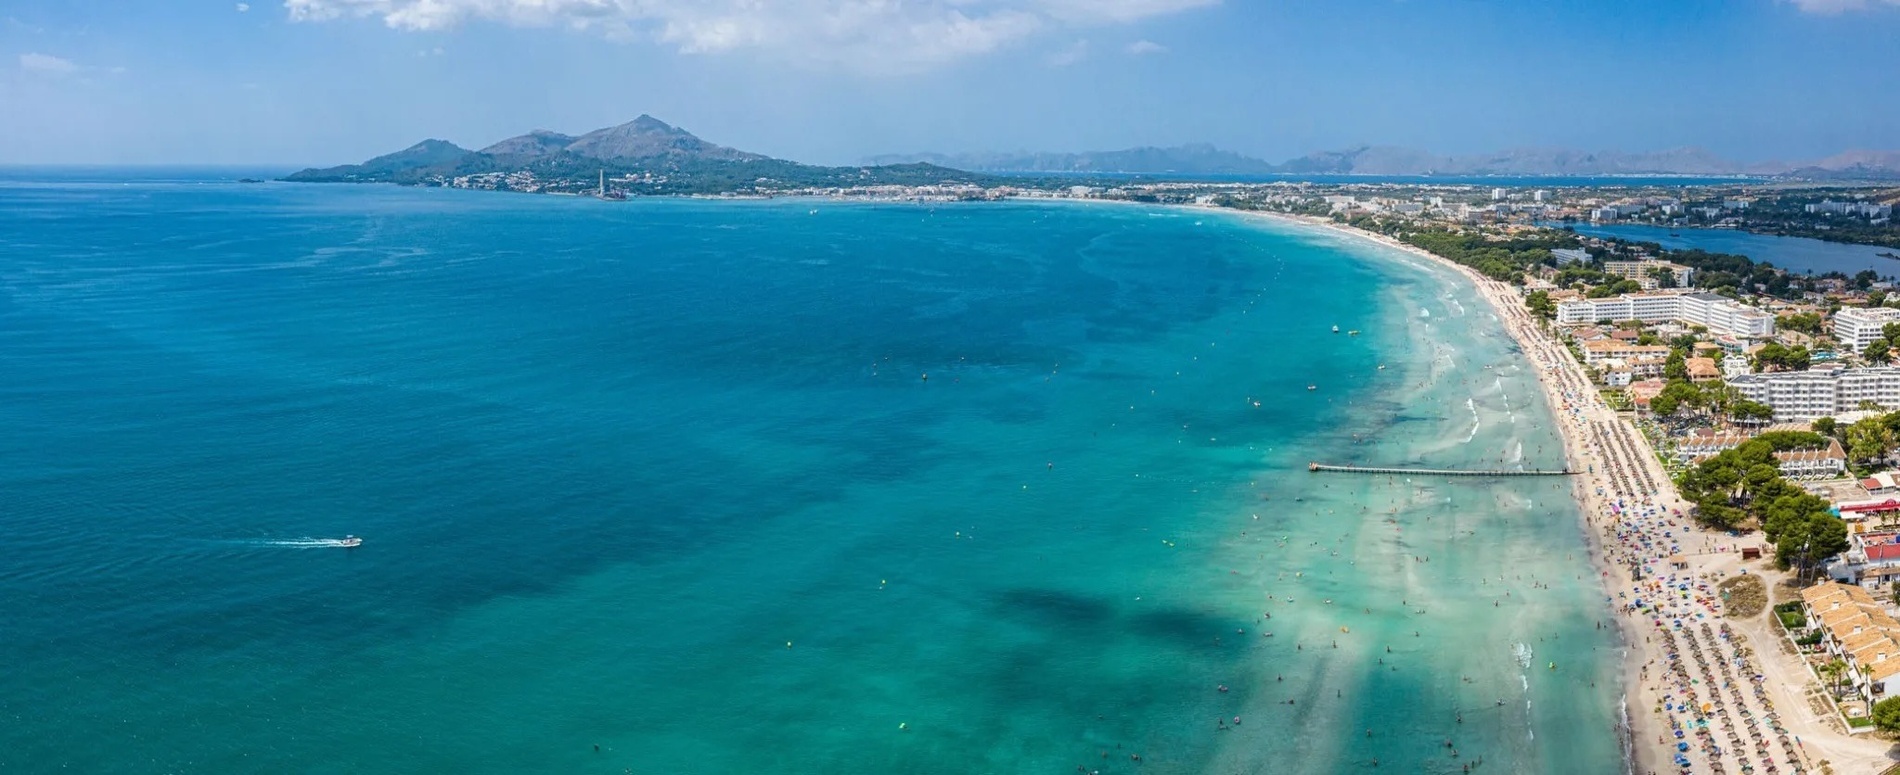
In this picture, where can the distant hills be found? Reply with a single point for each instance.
(653, 157)
(1197, 159)
(1204, 159)
(664, 158)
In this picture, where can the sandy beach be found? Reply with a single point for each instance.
(1635, 523)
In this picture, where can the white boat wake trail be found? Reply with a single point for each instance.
(299, 543)
(1476, 422)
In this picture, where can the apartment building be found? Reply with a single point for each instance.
(1857, 327)
(1821, 392)
(1720, 315)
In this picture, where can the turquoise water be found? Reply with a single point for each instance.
(1795, 254)
(666, 478)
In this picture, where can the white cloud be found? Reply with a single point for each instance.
(1071, 54)
(1141, 47)
(47, 63)
(1831, 7)
(242, 7)
(870, 35)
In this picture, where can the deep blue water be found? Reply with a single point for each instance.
(723, 487)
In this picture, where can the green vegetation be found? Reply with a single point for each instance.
(1886, 715)
(571, 173)
(1804, 322)
(1744, 485)
(1775, 356)
(1791, 616)
(1540, 304)
(1499, 259)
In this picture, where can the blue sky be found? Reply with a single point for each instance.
(833, 81)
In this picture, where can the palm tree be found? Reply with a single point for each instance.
(1832, 671)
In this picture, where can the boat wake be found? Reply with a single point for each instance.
(308, 543)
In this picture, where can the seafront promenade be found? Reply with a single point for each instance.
(1724, 685)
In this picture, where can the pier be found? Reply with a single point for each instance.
(1324, 468)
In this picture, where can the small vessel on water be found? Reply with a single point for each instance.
(1354, 332)
(1894, 256)
(1335, 329)
(349, 542)
(1312, 387)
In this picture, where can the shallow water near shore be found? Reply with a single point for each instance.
(668, 478)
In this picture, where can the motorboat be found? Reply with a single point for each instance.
(349, 542)
(1335, 329)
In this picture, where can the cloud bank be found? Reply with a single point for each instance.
(47, 63)
(1831, 7)
(870, 35)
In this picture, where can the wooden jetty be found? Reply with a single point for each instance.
(1324, 468)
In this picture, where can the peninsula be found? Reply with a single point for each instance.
(645, 156)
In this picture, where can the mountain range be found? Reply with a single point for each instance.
(1201, 159)
(664, 158)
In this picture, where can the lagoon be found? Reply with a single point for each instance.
(1795, 254)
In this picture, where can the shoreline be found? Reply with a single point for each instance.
(1633, 726)
(1625, 495)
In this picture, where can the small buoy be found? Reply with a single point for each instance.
(788, 644)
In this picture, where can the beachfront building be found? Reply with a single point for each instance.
(1859, 631)
(1825, 463)
(1823, 391)
(1857, 327)
(1644, 272)
(1597, 351)
(1881, 483)
(1720, 315)
(1707, 442)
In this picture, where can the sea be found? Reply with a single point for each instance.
(689, 486)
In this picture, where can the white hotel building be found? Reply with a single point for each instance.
(1821, 392)
(1719, 314)
(1856, 327)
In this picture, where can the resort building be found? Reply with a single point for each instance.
(1644, 272)
(1872, 560)
(1595, 352)
(1720, 315)
(1702, 369)
(1857, 327)
(1706, 442)
(1859, 631)
(1570, 256)
(1823, 391)
(1825, 463)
